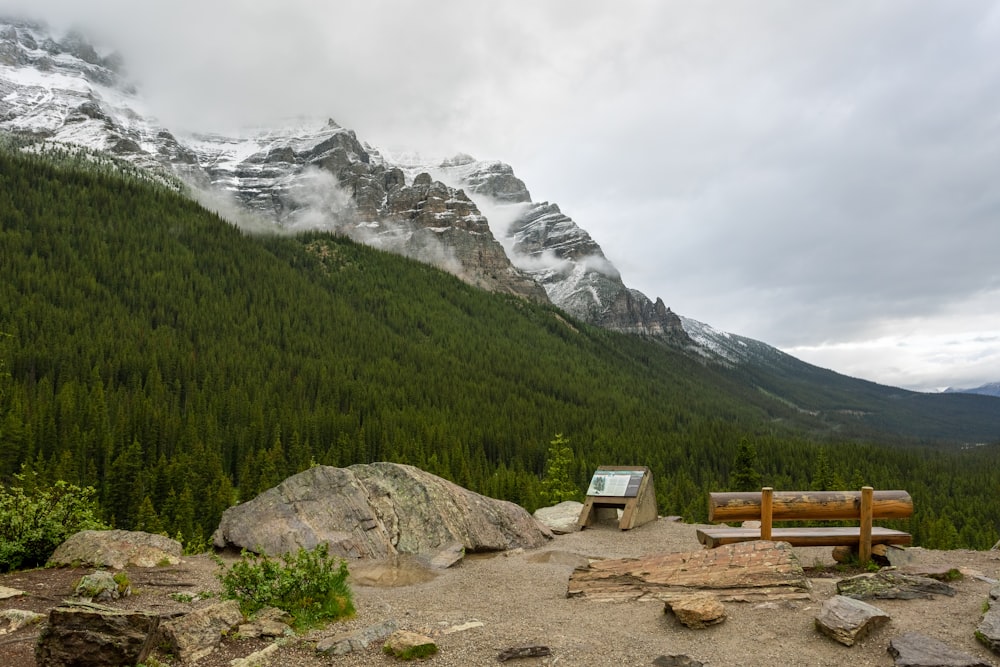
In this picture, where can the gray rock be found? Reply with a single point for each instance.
(847, 620)
(196, 634)
(562, 518)
(12, 620)
(116, 549)
(892, 585)
(408, 645)
(916, 650)
(7, 593)
(102, 587)
(345, 643)
(698, 610)
(91, 635)
(375, 511)
(994, 595)
(988, 630)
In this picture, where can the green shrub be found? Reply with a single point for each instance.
(311, 586)
(35, 520)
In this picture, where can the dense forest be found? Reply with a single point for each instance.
(155, 352)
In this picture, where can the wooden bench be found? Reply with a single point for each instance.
(767, 506)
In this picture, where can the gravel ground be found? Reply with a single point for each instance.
(520, 599)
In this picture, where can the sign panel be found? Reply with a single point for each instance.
(615, 483)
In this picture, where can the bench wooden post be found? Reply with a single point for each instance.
(865, 541)
(766, 498)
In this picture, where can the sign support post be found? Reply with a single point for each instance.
(628, 488)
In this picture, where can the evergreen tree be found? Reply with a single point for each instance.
(557, 483)
(745, 476)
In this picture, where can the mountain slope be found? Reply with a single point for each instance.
(320, 176)
(158, 353)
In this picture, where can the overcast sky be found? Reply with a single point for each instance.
(822, 176)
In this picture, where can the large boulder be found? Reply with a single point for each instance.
(85, 635)
(116, 549)
(375, 511)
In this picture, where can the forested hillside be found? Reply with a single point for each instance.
(156, 352)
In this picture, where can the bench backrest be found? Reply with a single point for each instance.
(808, 505)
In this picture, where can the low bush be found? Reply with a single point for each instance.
(311, 586)
(35, 520)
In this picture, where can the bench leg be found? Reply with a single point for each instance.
(865, 543)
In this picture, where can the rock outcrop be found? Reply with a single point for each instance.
(375, 511)
(116, 549)
(85, 635)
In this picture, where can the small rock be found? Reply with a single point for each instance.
(462, 627)
(407, 645)
(257, 658)
(524, 652)
(916, 650)
(7, 593)
(677, 661)
(562, 518)
(103, 586)
(12, 620)
(345, 643)
(698, 610)
(847, 620)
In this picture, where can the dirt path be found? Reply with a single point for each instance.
(521, 599)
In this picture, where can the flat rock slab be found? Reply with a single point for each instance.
(847, 620)
(746, 571)
(7, 593)
(892, 585)
(916, 650)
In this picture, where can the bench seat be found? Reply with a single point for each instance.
(802, 537)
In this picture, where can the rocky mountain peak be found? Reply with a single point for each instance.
(311, 175)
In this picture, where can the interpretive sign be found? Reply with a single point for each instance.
(621, 483)
(622, 492)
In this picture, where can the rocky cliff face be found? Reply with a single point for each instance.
(550, 247)
(319, 175)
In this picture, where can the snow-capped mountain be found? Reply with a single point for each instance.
(988, 389)
(473, 218)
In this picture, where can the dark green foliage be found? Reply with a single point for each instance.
(745, 476)
(34, 520)
(311, 586)
(177, 365)
(558, 484)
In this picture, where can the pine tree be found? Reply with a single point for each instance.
(745, 476)
(557, 484)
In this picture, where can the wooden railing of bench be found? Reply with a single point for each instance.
(769, 506)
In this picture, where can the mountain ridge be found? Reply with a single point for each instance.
(474, 219)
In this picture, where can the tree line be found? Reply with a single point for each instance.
(155, 352)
